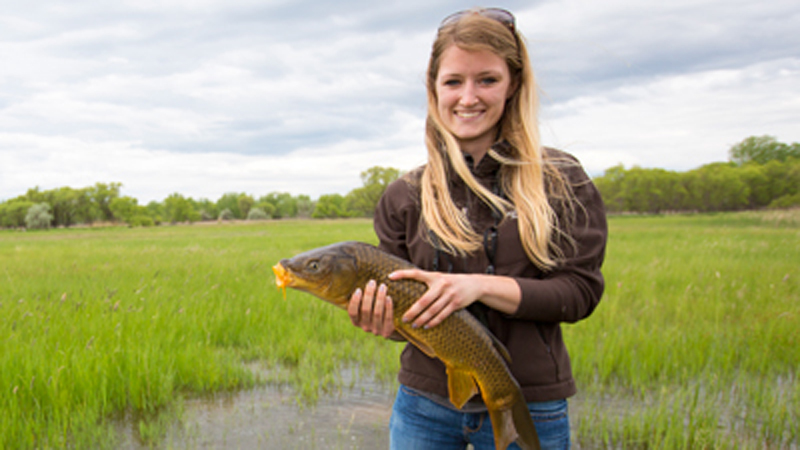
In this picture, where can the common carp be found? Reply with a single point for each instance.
(474, 358)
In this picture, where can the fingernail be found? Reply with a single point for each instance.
(358, 291)
(413, 325)
(382, 288)
(371, 283)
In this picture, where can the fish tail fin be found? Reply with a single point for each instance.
(514, 424)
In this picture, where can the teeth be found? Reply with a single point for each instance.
(468, 115)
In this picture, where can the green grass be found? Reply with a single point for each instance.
(98, 323)
(695, 344)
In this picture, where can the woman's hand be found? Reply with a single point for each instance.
(371, 310)
(447, 293)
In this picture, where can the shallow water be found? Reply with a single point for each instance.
(271, 417)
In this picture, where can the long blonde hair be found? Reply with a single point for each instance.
(527, 177)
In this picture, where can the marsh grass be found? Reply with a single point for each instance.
(695, 344)
(98, 323)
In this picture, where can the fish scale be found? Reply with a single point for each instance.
(475, 360)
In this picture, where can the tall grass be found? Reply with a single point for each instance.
(695, 344)
(97, 323)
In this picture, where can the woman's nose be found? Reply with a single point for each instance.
(469, 96)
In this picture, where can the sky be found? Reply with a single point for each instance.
(206, 97)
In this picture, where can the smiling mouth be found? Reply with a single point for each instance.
(468, 114)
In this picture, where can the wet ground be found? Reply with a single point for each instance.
(271, 418)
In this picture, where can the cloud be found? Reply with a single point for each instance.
(679, 122)
(206, 97)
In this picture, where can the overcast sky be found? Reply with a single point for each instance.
(204, 97)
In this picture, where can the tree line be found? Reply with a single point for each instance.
(65, 207)
(761, 172)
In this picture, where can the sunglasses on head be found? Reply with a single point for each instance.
(498, 14)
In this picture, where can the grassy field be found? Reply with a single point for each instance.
(695, 344)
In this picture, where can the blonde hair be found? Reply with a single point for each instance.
(527, 177)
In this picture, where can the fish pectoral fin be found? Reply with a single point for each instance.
(461, 386)
(417, 342)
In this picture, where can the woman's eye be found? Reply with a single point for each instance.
(452, 83)
(489, 80)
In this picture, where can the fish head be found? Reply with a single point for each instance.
(329, 273)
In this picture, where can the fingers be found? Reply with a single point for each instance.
(446, 294)
(371, 309)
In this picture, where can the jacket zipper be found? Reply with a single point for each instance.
(549, 350)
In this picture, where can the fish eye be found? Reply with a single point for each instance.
(313, 265)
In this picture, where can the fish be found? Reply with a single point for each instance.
(476, 361)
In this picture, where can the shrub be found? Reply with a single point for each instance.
(226, 214)
(141, 221)
(39, 217)
(257, 214)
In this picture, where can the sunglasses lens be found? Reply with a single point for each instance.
(500, 15)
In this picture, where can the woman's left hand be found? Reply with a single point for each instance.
(446, 294)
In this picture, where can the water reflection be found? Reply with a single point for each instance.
(270, 417)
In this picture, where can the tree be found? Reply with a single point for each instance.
(761, 150)
(126, 208)
(38, 217)
(330, 206)
(230, 201)
(13, 213)
(179, 209)
(244, 202)
(102, 194)
(305, 206)
(257, 214)
(362, 201)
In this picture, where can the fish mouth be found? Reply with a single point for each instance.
(283, 278)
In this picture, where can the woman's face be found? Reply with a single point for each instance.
(471, 90)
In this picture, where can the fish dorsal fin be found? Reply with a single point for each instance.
(461, 386)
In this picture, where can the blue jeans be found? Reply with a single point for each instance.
(419, 423)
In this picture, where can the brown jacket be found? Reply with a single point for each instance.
(533, 334)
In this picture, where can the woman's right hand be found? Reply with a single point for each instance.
(371, 310)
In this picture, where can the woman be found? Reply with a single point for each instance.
(500, 225)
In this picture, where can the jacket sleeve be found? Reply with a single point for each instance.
(572, 290)
(390, 222)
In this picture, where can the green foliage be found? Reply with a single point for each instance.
(38, 217)
(331, 206)
(689, 335)
(712, 187)
(362, 201)
(13, 212)
(226, 214)
(103, 323)
(257, 214)
(281, 205)
(230, 201)
(763, 149)
(179, 209)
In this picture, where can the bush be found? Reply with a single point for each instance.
(787, 201)
(257, 214)
(38, 217)
(226, 214)
(141, 221)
